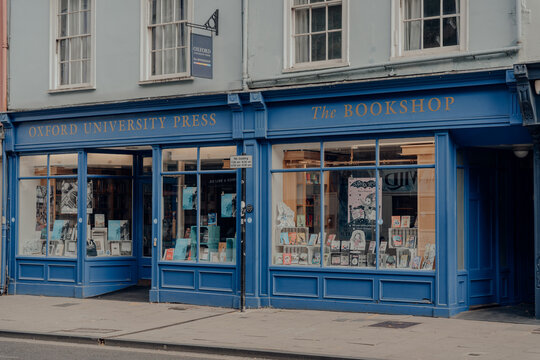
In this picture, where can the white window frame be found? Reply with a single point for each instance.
(398, 31)
(289, 64)
(54, 65)
(146, 76)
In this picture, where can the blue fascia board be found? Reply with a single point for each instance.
(388, 85)
(125, 107)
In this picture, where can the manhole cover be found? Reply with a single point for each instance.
(66, 304)
(177, 308)
(395, 324)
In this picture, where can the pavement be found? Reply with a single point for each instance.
(128, 320)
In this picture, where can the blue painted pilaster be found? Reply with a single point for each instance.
(156, 221)
(446, 220)
(261, 115)
(82, 180)
(235, 104)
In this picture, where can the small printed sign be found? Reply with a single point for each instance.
(241, 162)
(201, 56)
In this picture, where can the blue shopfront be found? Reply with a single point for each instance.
(396, 196)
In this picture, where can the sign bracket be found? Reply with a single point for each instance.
(210, 25)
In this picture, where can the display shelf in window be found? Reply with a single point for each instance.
(296, 246)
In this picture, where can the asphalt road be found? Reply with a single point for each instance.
(15, 349)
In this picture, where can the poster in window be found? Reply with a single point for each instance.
(41, 207)
(361, 199)
(189, 198)
(118, 230)
(68, 199)
(228, 205)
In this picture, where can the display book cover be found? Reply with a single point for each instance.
(181, 249)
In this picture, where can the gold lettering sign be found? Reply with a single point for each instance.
(381, 108)
(124, 125)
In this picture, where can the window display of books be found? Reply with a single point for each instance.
(296, 246)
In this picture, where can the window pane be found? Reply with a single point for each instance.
(63, 6)
(180, 10)
(432, 8)
(73, 24)
(64, 73)
(63, 164)
(413, 9)
(349, 219)
(147, 165)
(296, 205)
(179, 222)
(169, 61)
(334, 45)
(350, 153)
(407, 151)
(85, 25)
(215, 158)
(85, 72)
(35, 165)
(75, 73)
(180, 159)
(157, 41)
(62, 26)
(85, 44)
(450, 31)
(167, 11)
(461, 218)
(63, 224)
(301, 49)
(32, 230)
(408, 213)
(109, 164)
(318, 19)
(334, 17)
(64, 46)
(110, 217)
(316, 1)
(413, 35)
(432, 36)
(169, 36)
(301, 21)
(218, 218)
(291, 156)
(73, 5)
(75, 48)
(156, 63)
(181, 37)
(300, 2)
(155, 12)
(147, 218)
(450, 6)
(85, 4)
(318, 47)
(181, 60)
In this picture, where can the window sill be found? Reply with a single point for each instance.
(72, 89)
(166, 80)
(315, 66)
(421, 54)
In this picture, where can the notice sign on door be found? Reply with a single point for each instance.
(201, 56)
(241, 162)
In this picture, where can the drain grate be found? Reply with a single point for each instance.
(178, 308)
(66, 304)
(395, 324)
(536, 331)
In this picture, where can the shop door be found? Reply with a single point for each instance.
(481, 237)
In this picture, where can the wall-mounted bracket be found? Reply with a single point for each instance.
(210, 25)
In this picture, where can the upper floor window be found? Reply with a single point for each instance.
(317, 32)
(431, 25)
(165, 39)
(73, 64)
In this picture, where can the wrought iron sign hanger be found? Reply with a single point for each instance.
(210, 25)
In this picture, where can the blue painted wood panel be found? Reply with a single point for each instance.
(348, 288)
(216, 281)
(296, 285)
(62, 273)
(110, 273)
(31, 271)
(179, 279)
(406, 291)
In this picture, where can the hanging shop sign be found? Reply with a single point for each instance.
(201, 56)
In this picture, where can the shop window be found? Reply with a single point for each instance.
(430, 25)
(110, 209)
(317, 32)
(353, 201)
(72, 44)
(48, 204)
(199, 205)
(165, 39)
